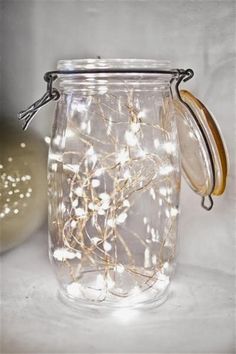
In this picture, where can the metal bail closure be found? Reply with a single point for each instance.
(51, 94)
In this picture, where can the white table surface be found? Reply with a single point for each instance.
(198, 317)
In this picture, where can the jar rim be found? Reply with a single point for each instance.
(113, 64)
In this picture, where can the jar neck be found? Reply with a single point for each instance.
(113, 64)
(115, 82)
(134, 78)
(99, 75)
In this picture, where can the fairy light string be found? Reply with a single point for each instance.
(105, 184)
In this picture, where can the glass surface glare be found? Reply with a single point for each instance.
(114, 181)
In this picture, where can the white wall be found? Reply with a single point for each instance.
(196, 34)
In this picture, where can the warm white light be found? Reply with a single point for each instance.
(121, 218)
(163, 191)
(105, 205)
(154, 259)
(111, 223)
(167, 212)
(122, 157)
(119, 268)
(7, 210)
(152, 193)
(191, 135)
(147, 254)
(107, 246)
(174, 211)
(71, 167)
(47, 139)
(169, 147)
(79, 106)
(127, 174)
(89, 127)
(83, 125)
(141, 152)
(69, 133)
(100, 282)
(80, 212)
(135, 127)
(79, 191)
(109, 282)
(141, 114)
(95, 183)
(92, 206)
(61, 254)
(156, 143)
(57, 140)
(75, 203)
(90, 151)
(130, 138)
(165, 170)
(73, 224)
(95, 240)
(74, 289)
(101, 211)
(109, 127)
(162, 281)
(92, 156)
(155, 235)
(102, 90)
(126, 203)
(104, 196)
(98, 172)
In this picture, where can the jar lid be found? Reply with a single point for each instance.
(203, 153)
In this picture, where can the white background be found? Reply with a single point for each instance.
(196, 34)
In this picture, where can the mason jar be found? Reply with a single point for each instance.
(114, 182)
(114, 174)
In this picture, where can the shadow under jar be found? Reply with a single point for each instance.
(114, 182)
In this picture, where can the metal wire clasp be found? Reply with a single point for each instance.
(51, 94)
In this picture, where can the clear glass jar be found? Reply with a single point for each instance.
(114, 182)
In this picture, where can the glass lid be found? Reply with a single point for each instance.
(203, 153)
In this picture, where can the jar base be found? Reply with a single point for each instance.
(150, 298)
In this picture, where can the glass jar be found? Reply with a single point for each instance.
(114, 173)
(114, 182)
